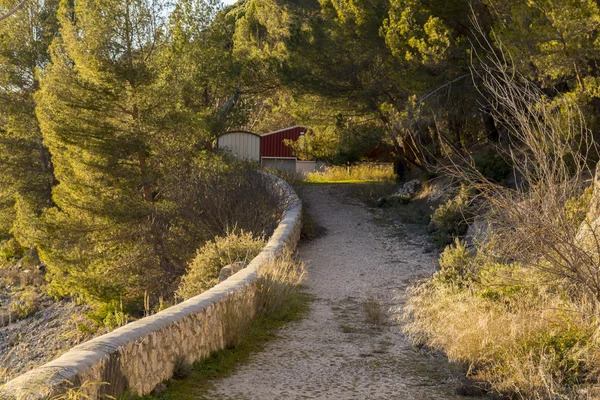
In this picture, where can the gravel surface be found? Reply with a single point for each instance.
(340, 351)
(40, 338)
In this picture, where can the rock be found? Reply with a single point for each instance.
(160, 389)
(392, 201)
(401, 196)
(477, 231)
(594, 209)
(409, 188)
(231, 269)
(590, 228)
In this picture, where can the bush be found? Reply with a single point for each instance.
(10, 250)
(513, 329)
(456, 265)
(143, 252)
(203, 271)
(449, 219)
(24, 304)
(110, 315)
(527, 322)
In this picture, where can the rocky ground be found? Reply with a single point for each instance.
(40, 338)
(35, 329)
(350, 346)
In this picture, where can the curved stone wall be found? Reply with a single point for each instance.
(145, 353)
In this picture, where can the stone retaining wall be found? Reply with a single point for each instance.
(145, 353)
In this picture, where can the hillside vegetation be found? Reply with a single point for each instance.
(111, 190)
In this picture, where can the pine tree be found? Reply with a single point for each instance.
(25, 166)
(105, 237)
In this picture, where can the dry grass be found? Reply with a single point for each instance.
(354, 173)
(277, 281)
(237, 315)
(522, 309)
(533, 342)
(374, 312)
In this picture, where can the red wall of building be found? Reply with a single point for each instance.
(272, 143)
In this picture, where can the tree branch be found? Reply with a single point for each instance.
(14, 10)
(422, 99)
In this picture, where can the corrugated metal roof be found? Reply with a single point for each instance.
(272, 144)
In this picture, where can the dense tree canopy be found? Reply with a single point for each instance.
(108, 107)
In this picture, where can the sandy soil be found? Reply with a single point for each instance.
(335, 353)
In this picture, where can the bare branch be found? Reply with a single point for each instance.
(14, 10)
(449, 83)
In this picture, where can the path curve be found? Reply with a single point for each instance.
(334, 353)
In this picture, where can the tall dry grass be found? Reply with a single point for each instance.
(359, 172)
(278, 280)
(521, 308)
(512, 330)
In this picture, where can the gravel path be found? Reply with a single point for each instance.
(335, 353)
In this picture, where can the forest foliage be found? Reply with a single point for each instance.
(109, 110)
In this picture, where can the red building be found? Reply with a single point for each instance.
(269, 149)
(275, 153)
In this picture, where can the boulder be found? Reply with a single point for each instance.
(477, 232)
(409, 188)
(401, 196)
(231, 269)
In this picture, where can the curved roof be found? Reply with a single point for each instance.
(240, 131)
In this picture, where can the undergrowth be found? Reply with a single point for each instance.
(203, 271)
(520, 308)
(280, 299)
(354, 173)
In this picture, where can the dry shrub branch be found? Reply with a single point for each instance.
(520, 308)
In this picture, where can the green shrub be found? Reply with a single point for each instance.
(456, 265)
(110, 315)
(560, 346)
(576, 208)
(493, 166)
(449, 219)
(203, 271)
(10, 250)
(115, 319)
(24, 304)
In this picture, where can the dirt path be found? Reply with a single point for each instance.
(335, 353)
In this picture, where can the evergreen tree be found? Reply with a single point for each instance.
(105, 238)
(25, 166)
